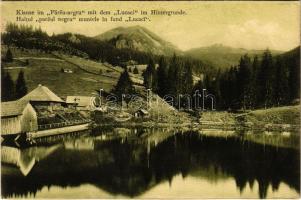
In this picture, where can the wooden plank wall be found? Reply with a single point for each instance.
(10, 125)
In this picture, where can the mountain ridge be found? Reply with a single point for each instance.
(223, 56)
(138, 38)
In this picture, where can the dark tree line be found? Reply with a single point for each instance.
(10, 90)
(28, 37)
(172, 76)
(255, 83)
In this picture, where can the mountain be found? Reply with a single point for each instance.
(138, 38)
(292, 55)
(222, 56)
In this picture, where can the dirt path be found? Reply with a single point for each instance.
(39, 58)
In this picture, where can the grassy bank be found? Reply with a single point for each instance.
(277, 115)
(45, 68)
(277, 118)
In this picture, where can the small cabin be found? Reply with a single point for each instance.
(141, 113)
(18, 117)
(68, 71)
(40, 109)
(22, 115)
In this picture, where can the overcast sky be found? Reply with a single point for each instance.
(251, 25)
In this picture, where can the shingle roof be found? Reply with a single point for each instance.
(12, 108)
(41, 93)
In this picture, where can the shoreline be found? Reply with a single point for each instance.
(212, 125)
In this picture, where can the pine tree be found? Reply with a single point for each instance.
(7, 88)
(224, 85)
(124, 85)
(233, 91)
(172, 90)
(265, 80)
(208, 86)
(253, 84)
(215, 87)
(8, 56)
(293, 63)
(281, 89)
(135, 71)
(150, 76)
(162, 77)
(21, 88)
(187, 79)
(243, 81)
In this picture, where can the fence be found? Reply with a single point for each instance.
(61, 124)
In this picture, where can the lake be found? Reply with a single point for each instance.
(154, 163)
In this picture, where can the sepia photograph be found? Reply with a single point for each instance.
(150, 99)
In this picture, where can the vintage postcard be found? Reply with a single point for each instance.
(150, 99)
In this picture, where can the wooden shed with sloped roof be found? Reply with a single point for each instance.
(18, 117)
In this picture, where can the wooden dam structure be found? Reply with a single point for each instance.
(39, 113)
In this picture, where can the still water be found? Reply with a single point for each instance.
(154, 163)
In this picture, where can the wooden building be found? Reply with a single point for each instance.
(18, 117)
(141, 113)
(21, 116)
(80, 102)
(39, 113)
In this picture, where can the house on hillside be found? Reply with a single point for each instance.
(69, 71)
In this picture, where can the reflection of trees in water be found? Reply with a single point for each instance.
(132, 166)
(243, 160)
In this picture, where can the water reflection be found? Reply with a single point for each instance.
(150, 162)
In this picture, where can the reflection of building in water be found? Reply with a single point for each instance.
(80, 144)
(217, 133)
(25, 159)
(156, 136)
(14, 156)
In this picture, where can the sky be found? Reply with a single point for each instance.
(250, 25)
